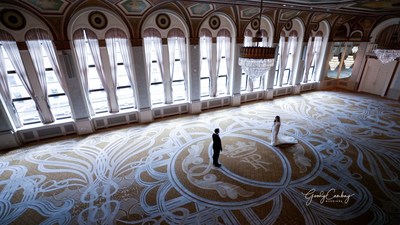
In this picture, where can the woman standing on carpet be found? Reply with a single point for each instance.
(277, 139)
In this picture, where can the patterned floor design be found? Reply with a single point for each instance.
(344, 170)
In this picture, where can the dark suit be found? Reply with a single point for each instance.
(217, 147)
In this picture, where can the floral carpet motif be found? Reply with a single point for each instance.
(343, 170)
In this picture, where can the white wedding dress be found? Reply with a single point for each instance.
(278, 139)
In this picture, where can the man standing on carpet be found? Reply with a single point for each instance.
(217, 147)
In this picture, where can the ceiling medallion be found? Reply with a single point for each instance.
(255, 23)
(288, 25)
(98, 20)
(214, 22)
(12, 19)
(163, 21)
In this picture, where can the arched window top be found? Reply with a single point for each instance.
(151, 32)
(264, 33)
(5, 36)
(293, 33)
(116, 33)
(82, 33)
(223, 33)
(205, 32)
(247, 33)
(176, 32)
(318, 34)
(37, 34)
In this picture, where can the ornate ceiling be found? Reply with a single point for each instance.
(355, 15)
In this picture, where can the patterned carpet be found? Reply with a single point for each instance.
(344, 170)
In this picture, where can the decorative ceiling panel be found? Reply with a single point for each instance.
(49, 6)
(388, 5)
(249, 12)
(134, 7)
(200, 9)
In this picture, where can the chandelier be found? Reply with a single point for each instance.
(256, 60)
(390, 49)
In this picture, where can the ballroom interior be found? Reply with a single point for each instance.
(108, 107)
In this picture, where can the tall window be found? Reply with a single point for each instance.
(283, 74)
(59, 103)
(121, 80)
(223, 72)
(205, 62)
(125, 91)
(156, 81)
(178, 82)
(97, 93)
(22, 101)
(154, 61)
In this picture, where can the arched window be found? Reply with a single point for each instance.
(51, 79)
(50, 101)
(312, 58)
(16, 89)
(154, 61)
(122, 79)
(223, 61)
(206, 62)
(177, 64)
(283, 75)
(97, 92)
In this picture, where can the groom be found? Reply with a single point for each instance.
(217, 147)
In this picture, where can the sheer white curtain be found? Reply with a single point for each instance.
(182, 50)
(95, 50)
(308, 59)
(248, 38)
(292, 52)
(317, 51)
(264, 42)
(206, 43)
(225, 38)
(285, 51)
(38, 39)
(116, 37)
(37, 96)
(4, 85)
(176, 39)
(248, 42)
(81, 53)
(152, 38)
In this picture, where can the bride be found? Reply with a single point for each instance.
(277, 139)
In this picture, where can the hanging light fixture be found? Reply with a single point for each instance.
(390, 50)
(256, 60)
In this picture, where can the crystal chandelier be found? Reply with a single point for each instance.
(256, 60)
(391, 49)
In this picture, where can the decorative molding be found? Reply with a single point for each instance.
(163, 21)
(214, 22)
(12, 19)
(255, 23)
(97, 20)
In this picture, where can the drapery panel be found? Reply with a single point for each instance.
(95, 50)
(176, 39)
(35, 50)
(286, 51)
(152, 38)
(37, 96)
(206, 43)
(4, 84)
(308, 59)
(81, 54)
(116, 37)
(317, 51)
